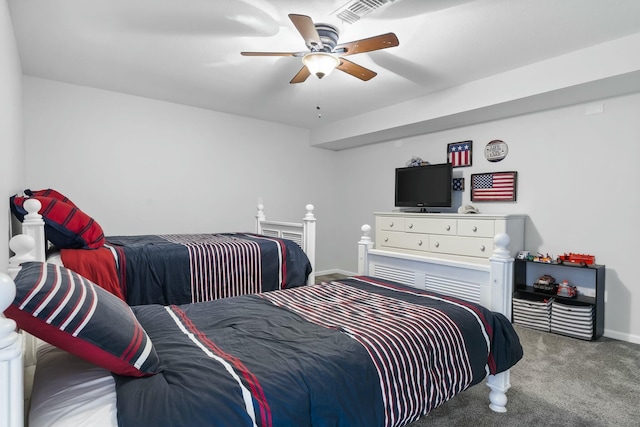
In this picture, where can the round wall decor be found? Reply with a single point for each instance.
(496, 150)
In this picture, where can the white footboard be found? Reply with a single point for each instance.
(490, 285)
(304, 234)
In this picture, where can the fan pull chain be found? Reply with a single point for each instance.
(318, 103)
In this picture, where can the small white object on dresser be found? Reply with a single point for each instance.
(451, 236)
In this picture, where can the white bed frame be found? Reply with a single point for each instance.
(490, 285)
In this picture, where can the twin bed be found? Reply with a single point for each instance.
(170, 268)
(377, 349)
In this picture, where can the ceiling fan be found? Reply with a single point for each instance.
(325, 53)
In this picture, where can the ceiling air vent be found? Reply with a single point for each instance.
(353, 11)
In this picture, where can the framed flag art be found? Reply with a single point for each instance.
(459, 153)
(457, 184)
(493, 187)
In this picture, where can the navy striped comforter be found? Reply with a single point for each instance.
(187, 268)
(356, 352)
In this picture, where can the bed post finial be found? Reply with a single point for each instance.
(23, 247)
(501, 242)
(7, 294)
(33, 225)
(309, 215)
(364, 245)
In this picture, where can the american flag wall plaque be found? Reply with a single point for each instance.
(493, 187)
(459, 153)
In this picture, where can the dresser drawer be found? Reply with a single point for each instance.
(431, 225)
(394, 240)
(475, 228)
(466, 246)
(390, 223)
(417, 242)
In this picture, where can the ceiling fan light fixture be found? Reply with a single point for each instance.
(320, 64)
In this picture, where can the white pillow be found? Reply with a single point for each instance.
(68, 391)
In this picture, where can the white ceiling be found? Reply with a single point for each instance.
(188, 51)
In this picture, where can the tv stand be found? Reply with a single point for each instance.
(447, 235)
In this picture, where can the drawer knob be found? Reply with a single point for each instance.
(482, 248)
(420, 243)
(410, 226)
(474, 228)
(448, 227)
(437, 244)
(391, 224)
(386, 239)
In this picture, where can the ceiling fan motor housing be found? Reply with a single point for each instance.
(328, 36)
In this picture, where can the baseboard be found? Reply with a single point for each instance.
(335, 271)
(635, 339)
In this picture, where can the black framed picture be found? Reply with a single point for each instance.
(459, 153)
(457, 184)
(494, 187)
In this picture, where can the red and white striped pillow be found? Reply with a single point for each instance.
(69, 311)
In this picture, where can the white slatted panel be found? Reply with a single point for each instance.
(455, 288)
(270, 233)
(406, 277)
(295, 237)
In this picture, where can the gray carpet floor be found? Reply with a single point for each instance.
(560, 381)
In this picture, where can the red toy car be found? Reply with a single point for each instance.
(580, 259)
(567, 290)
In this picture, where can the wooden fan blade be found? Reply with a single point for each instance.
(382, 41)
(356, 70)
(301, 76)
(297, 54)
(307, 30)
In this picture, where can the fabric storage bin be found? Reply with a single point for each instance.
(532, 311)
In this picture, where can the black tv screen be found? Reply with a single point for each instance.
(426, 186)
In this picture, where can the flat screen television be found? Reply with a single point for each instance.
(427, 186)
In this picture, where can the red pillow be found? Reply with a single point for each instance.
(65, 225)
(50, 193)
(69, 311)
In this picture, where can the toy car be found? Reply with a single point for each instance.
(540, 258)
(580, 259)
(567, 290)
(546, 284)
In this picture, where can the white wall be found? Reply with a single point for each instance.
(11, 145)
(576, 175)
(142, 166)
(577, 178)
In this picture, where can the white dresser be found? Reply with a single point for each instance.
(464, 237)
